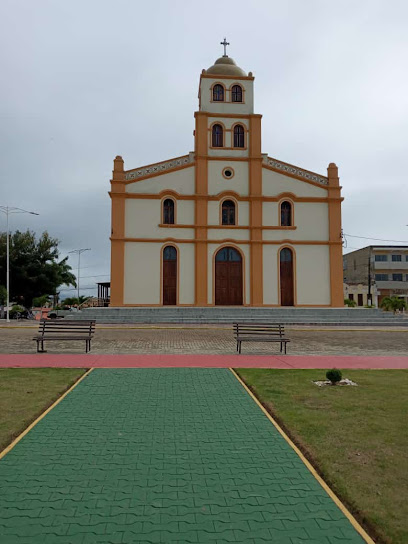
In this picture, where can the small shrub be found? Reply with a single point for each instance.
(334, 375)
(16, 310)
(350, 303)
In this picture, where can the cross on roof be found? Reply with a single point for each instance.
(225, 43)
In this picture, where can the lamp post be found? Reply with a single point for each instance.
(7, 210)
(79, 251)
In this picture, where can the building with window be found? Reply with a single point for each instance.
(225, 224)
(383, 268)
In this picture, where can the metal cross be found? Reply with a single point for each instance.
(225, 43)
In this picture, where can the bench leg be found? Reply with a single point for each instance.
(240, 348)
(285, 348)
(42, 350)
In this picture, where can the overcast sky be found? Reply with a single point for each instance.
(83, 81)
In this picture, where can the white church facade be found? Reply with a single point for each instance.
(225, 224)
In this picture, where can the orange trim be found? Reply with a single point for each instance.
(233, 240)
(157, 174)
(201, 210)
(294, 176)
(153, 164)
(336, 253)
(228, 168)
(168, 197)
(292, 212)
(249, 198)
(220, 212)
(238, 78)
(227, 94)
(118, 233)
(256, 211)
(294, 275)
(229, 115)
(161, 273)
(247, 227)
(229, 244)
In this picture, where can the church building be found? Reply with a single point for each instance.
(225, 224)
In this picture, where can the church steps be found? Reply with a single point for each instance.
(227, 315)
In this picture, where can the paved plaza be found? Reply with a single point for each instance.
(162, 455)
(126, 339)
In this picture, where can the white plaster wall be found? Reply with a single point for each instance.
(142, 273)
(227, 107)
(310, 218)
(273, 184)
(214, 214)
(186, 273)
(231, 234)
(217, 183)
(313, 274)
(142, 219)
(270, 274)
(212, 249)
(181, 181)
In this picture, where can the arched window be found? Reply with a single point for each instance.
(239, 136)
(286, 214)
(218, 93)
(217, 136)
(236, 93)
(170, 253)
(169, 279)
(228, 212)
(168, 212)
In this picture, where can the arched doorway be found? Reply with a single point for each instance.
(228, 277)
(287, 296)
(169, 276)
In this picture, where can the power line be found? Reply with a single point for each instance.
(377, 239)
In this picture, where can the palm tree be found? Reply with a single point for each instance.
(393, 304)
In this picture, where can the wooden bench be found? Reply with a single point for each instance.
(64, 330)
(260, 332)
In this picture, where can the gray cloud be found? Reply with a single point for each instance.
(85, 81)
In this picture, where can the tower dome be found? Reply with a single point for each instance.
(226, 66)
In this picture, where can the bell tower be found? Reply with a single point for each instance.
(227, 134)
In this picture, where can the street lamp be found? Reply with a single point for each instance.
(7, 210)
(79, 251)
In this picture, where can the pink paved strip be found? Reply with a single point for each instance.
(200, 361)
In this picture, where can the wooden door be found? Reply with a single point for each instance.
(286, 277)
(228, 277)
(169, 276)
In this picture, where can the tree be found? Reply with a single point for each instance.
(393, 304)
(34, 266)
(73, 301)
(3, 300)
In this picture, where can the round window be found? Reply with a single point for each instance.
(228, 173)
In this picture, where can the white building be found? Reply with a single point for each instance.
(225, 224)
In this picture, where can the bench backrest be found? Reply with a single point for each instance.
(270, 329)
(85, 327)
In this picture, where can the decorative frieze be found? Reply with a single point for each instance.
(159, 167)
(290, 169)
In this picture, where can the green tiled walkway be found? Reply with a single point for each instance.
(161, 455)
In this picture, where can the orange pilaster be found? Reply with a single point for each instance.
(255, 216)
(336, 254)
(201, 213)
(117, 233)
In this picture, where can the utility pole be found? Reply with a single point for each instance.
(369, 295)
(79, 251)
(7, 210)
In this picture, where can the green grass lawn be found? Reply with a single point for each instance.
(356, 437)
(26, 392)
